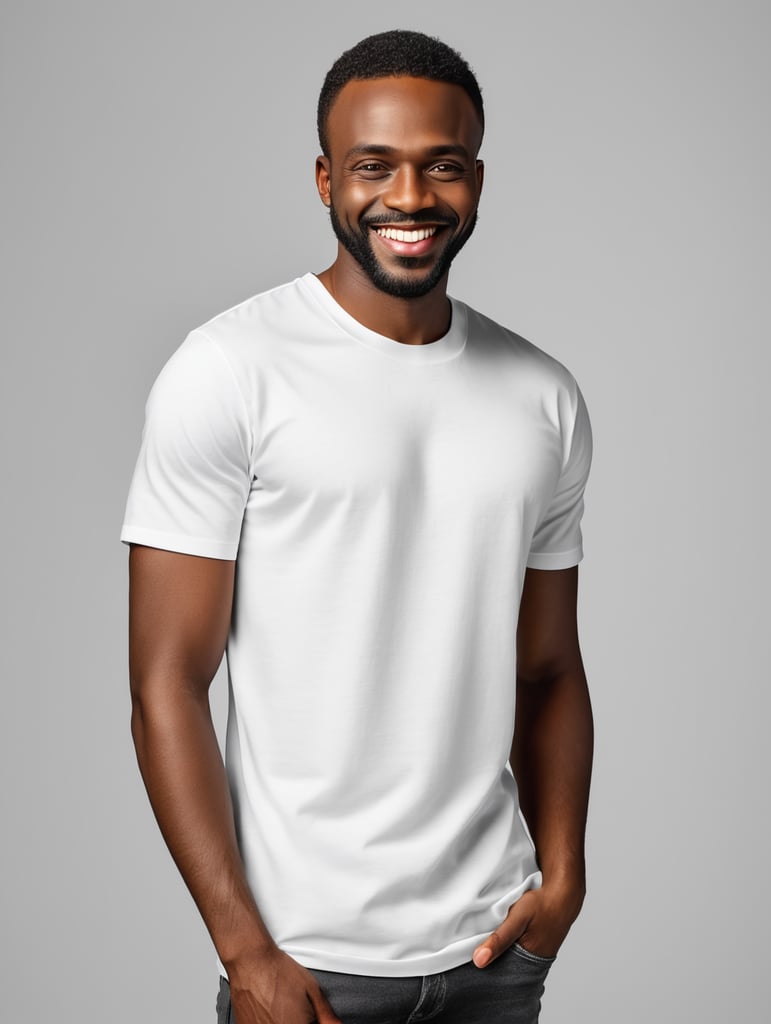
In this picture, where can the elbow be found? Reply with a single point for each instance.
(162, 703)
(138, 719)
(545, 671)
(151, 707)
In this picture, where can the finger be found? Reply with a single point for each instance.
(516, 922)
(324, 1012)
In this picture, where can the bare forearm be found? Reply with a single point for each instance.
(551, 757)
(185, 778)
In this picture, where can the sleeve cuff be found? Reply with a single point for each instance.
(555, 559)
(204, 546)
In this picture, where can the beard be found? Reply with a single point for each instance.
(359, 245)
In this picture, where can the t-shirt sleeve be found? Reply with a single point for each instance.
(193, 474)
(557, 542)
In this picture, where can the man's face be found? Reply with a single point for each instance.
(402, 181)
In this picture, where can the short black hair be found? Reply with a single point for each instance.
(395, 54)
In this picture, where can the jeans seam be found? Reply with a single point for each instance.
(440, 997)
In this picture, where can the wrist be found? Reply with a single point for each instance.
(248, 960)
(567, 873)
(566, 890)
(564, 882)
(239, 950)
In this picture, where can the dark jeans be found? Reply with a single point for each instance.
(508, 991)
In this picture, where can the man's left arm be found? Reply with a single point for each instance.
(551, 757)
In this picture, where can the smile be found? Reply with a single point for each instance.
(400, 235)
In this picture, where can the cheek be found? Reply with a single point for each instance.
(464, 201)
(355, 199)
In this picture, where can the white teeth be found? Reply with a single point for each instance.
(398, 235)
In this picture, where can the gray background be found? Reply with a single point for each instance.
(157, 168)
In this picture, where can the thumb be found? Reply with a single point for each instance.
(507, 932)
(324, 1012)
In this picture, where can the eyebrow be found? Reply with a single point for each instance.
(366, 149)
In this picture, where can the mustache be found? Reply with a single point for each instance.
(419, 217)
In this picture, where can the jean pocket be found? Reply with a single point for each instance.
(223, 1002)
(533, 958)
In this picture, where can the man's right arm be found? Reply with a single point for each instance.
(179, 616)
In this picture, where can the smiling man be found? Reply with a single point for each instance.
(404, 204)
(370, 496)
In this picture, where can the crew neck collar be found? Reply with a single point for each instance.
(448, 346)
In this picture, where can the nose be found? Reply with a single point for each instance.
(409, 191)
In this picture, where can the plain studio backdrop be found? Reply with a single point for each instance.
(157, 168)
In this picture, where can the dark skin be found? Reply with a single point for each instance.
(179, 615)
(551, 757)
(399, 146)
(415, 146)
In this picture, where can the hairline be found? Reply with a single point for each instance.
(383, 78)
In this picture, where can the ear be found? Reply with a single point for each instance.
(480, 174)
(323, 179)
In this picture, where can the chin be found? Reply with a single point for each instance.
(401, 285)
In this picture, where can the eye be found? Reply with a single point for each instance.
(446, 170)
(370, 169)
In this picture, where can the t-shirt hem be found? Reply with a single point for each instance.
(434, 963)
(554, 559)
(179, 542)
(454, 955)
(446, 960)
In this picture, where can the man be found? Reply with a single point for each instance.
(371, 495)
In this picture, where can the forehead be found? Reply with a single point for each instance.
(402, 111)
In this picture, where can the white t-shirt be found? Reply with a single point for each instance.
(382, 501)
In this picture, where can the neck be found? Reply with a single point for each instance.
(410, 321)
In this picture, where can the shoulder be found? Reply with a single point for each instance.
(225, 350)
(258, 317)
(541, 368)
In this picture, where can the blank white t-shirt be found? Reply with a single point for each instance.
(382, 502)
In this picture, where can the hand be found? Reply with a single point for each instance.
(538, 921)
(277, 990)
